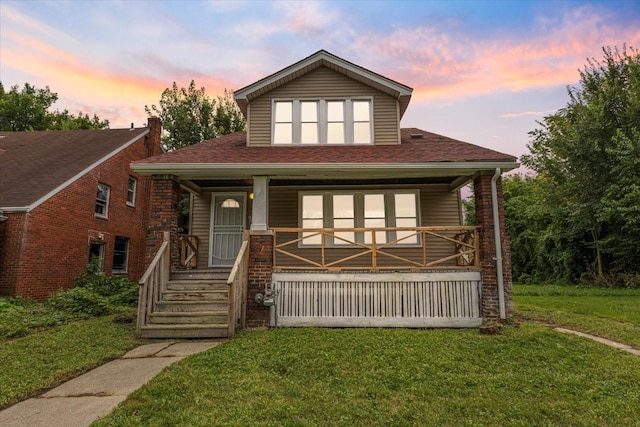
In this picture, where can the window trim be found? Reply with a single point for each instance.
(126, 256)
(133, 179)
(296, 120)
(358, 199)
(104, 215)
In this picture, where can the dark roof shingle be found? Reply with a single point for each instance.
(32, 164)
(430, 148)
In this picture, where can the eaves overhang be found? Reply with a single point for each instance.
(319, 170)
(323, 58)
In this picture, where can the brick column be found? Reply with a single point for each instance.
(260, 266)
(163, 216)
(484, 218)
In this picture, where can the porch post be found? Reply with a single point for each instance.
(484, 218)
(260, 209)
(163, 216)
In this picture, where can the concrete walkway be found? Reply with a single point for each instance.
(604, 341)
(95, 394)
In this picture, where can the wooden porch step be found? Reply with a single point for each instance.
(185, 331)
(188, 318)
(190, 306)
(196, 295)
(195, 285)
(204, 274)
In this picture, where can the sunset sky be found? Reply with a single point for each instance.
(482, 72)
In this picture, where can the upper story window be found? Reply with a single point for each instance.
(322, 121)
(102, 201)
(131, 191)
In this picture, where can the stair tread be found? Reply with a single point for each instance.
(187, 326)
(188, 313)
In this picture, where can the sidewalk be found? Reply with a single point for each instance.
(95, 394)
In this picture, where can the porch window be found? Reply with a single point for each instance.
(120, 255)
(102, 201)
(131, 191)
(322, 121)
(349, 210)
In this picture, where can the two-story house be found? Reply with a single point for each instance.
(329, 213)
(67, 196)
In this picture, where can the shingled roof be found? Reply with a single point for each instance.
(428, 148)
(36, 164)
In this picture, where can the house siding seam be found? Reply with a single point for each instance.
(260, 267)
(45, 249)
(484, 218)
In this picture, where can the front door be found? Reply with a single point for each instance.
(228, 215)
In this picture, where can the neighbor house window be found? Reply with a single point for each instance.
(131, 191)
(120, 255)
(102, 201)
(366, 209)
(96, 251)
(322, 121)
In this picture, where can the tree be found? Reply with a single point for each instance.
(27, 109)
(587, 155)
(189, 116)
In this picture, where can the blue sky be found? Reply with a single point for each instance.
(483, 72)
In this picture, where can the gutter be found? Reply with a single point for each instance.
(496, 232)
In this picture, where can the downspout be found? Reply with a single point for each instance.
(496, 232)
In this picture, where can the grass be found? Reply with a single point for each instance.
(527, 375)
(609, 313)
(46, 358)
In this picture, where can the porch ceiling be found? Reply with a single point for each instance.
(197, 171)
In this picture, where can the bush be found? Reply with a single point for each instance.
(118, 290)
(80, 302)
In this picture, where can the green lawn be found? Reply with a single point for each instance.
(526, 375)
(609, 313)
(44, 359)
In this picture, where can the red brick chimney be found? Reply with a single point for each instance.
(153, 138)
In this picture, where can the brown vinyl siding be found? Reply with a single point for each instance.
(438, 207)
(324, 83)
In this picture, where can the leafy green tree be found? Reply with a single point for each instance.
(189, 116)
(587, 155)
(28, 109)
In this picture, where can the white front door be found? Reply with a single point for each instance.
(228, 213)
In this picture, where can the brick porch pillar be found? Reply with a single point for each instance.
(260, 266)
(484, 218)
(163, 216)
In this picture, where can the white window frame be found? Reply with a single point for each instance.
(103, 203)
(126, 256)
(390, 215)
(132, 192)
(296, 122)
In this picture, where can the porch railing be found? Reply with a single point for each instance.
(238, 281)
(153, 283)
(412, 248)
(188, 250)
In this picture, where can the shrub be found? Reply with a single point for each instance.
(117, 289)
(80, 302)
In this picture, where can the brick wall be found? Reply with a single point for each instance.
(260, 266)
(484, 218)
(45, 249)
(163, 216)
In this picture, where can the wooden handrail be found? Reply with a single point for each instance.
(238, 281)
(188, 250)
(152, 283)
(465, 253)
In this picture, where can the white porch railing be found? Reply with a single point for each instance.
(153, 282)
(238, 281)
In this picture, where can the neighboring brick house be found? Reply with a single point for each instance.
(352, 221)
(66, 196)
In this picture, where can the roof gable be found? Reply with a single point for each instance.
(36, 165)
(323, 58)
